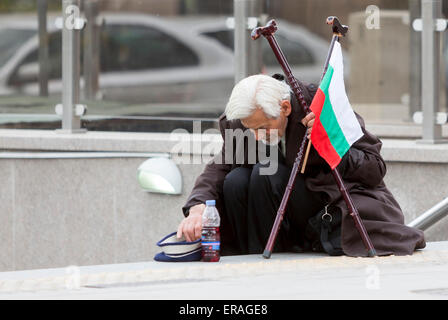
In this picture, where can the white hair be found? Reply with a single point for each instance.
(258, 91)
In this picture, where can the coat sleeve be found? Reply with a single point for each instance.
(363, 163)
(208, 185)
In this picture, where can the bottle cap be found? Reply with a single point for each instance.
(210, 202)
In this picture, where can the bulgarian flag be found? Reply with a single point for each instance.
(335, 127)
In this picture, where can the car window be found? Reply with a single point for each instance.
(54, 65)
(134, 47)
(11, 40)
(123, 47)
(225, 37)
(295, 52)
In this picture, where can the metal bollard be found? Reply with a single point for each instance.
(91, 64)
(71, 110)
(431, 12)
(248, 58)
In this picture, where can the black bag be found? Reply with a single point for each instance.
(323, 231)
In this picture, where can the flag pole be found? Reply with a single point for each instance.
(327, 61)
(268, 32)
(339, 31)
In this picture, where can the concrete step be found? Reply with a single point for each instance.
(284, 276)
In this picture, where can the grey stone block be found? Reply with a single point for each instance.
(143, 218)
(60, 212)
(418, 187)
(7, 215)
(63, 211)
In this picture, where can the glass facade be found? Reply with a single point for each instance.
(163, 64)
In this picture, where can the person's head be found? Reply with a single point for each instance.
(263, 105)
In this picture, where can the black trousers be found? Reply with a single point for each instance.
(251, 203)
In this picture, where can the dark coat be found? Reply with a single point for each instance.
(362, 169)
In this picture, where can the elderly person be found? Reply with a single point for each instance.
(248, 200)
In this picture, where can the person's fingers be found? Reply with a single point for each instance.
(180, 229)
(310, 123)
(304, 121)
(188, 231)
(190, 228)
(197, 230)
(310, 116)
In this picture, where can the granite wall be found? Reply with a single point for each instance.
(57, 210)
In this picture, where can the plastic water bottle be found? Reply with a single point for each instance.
(210, 232)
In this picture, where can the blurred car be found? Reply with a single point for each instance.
(149, 59)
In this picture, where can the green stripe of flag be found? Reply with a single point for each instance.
(329, 120)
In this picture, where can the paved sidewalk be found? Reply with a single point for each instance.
(284, 276)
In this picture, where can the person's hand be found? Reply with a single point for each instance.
(191, 226)
(308, 122)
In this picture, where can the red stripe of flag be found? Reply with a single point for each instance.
(319, 136)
